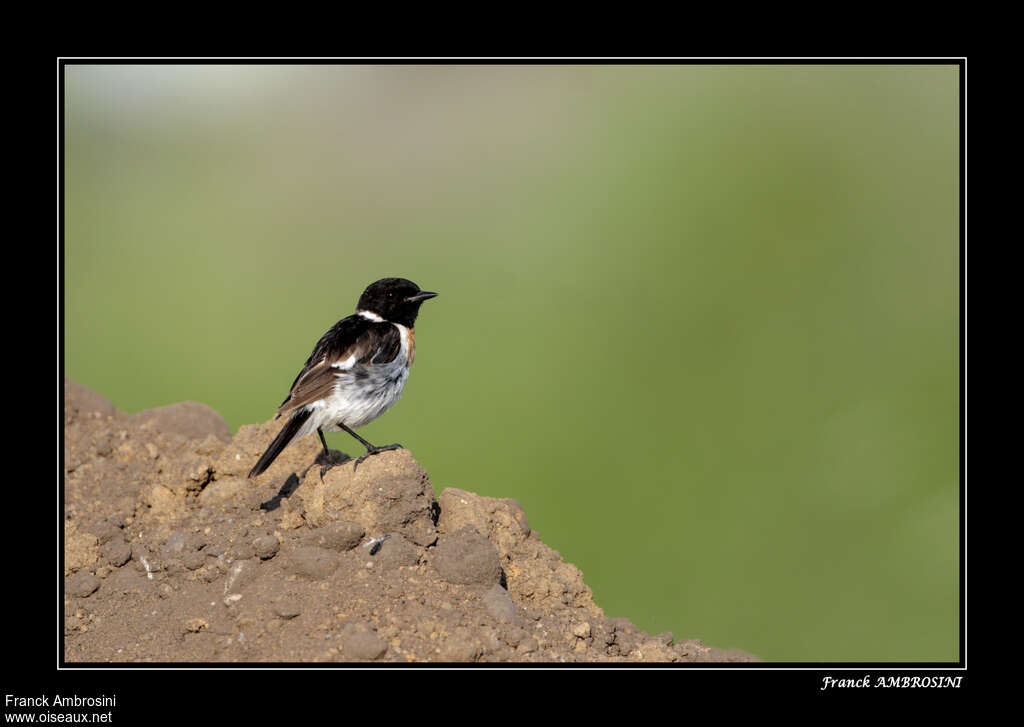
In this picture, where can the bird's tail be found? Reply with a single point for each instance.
(283, 438)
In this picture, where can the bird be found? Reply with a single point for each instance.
(356, 372)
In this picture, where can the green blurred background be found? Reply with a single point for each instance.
(701, 321)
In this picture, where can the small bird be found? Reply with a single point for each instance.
(356, 372)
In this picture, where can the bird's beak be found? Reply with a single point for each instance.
(420, 297)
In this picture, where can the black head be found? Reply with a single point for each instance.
(394, 299)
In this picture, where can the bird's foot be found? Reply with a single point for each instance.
(375, 450)
(326, 461)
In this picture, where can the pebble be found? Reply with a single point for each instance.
(194, 560)
(363, 646)
(460, 645)
(215, 550)
(242, 551)
(116, 552)
(499, 604)
(467, 557)
(287, 607)
(266, 547)
(358, 641)
(339, 536)
(312, 562)
(195, 625)
(395, 552)
(83, 584)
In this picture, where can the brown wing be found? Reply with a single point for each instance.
(315, 382)
(368, 342)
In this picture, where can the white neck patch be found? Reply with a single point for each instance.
(370, 316)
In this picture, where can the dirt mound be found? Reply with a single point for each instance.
(172, 555)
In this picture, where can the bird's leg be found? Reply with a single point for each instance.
(370, 449)
(328, 459)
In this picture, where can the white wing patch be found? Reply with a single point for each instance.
(346, 364)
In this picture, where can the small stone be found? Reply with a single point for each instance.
(83, 584)
(312, 562)
(364, 646)
(460, 646)
(394, 552)
(359, 642)
(194, 560)
(215, 550)
(339, 536)
(514, 636)
(499, 604)
(242, 551)
(195, 625)
(581, 630)
(467, 557)
(287, 607)
(116, 552)
(266, 547)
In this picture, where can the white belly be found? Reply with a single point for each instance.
(361, 393)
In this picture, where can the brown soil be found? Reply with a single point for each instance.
(172, 555)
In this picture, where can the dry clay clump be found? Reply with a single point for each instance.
(172, 554)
